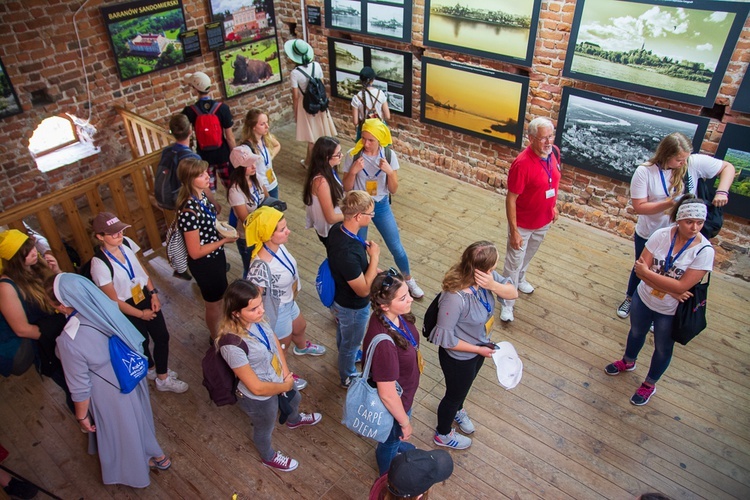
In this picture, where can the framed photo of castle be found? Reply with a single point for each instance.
(145, 35)
(678, 51)
(392, 67)
(477, 101)
(244, 21)
(611, 136)
(504, 30)
(9, 104)
(380, 18)
(734, 147)
(249, 67)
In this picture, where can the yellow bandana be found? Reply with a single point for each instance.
(260, 226)
(377, 128)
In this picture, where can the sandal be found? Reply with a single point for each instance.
(163, 464)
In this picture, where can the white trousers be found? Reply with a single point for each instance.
(517, 261)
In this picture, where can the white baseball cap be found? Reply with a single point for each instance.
(199, 81)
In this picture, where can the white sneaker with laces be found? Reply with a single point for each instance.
(151, 374)
(414, 289)
(525, 287)
(170, 384)
(464, 422)
(452, 440)
(506, 313)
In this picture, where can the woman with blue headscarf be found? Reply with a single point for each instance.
(120, 426)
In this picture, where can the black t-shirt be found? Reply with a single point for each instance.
(347, 259)
(220, 155)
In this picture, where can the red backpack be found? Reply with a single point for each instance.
(208, 131)
(218, 377)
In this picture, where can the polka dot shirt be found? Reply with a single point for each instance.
(200, 216)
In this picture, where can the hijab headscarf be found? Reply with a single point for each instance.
(260, 226)
(378, 129)
(73, 290)
(11, 242)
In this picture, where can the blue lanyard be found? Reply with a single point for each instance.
(264, 340)
(547, 168)
(75, 311)
(484, 301)
(669, 261)
(264, 151)
(129, 269)
(289, 267)
(405, 332)
(352, 235)
(205, 209)
(256, 195)
(663, 182)
(336, 176)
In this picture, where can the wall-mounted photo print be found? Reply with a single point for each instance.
(380, 18)
(145, 35)
(734, 147)
(504, 30)
(612, 136)
(249, 67)
(393, 71)
(477, 101)
(9, 104)
(663, 48)
(244, 20)
(741, 101)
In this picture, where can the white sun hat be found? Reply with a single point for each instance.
(508, 364)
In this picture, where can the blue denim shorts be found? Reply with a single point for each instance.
(287, 313)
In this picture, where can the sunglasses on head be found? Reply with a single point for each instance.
(390, 274)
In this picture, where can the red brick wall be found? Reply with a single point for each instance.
(39, 49)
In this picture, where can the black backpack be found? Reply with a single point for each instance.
(166, 183)
(85, 269)
(431, 316)
(315, 98)
(714, 215)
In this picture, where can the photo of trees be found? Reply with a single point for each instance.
(656, 47)
(9, 104)
(145, 35)
(734, 147)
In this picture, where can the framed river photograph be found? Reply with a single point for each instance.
(612, 136)
(380, 18)
(9, 104)
(477, 101)
(244, 20)
(250, 66)
(504, 30)
(734, 147)
(392, 69)
(677, 50)
(145, 35)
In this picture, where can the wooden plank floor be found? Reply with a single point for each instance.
(567, 431)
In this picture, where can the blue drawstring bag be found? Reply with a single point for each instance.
(129, 366)
(324, 284)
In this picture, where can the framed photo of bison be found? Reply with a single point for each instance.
(250, 66)
(244, 21)
(145, 35)
(392, 69)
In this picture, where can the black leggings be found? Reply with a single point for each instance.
(459, 376)
(157, 329)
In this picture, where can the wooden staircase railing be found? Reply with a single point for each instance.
(144, 136)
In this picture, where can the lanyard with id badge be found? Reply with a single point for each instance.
(270, 176)
(669, 261)
(550, 192)
(371, 183)
(136, 290)
(409, 337)
(485, 301)
(263, 339)
(288, 265)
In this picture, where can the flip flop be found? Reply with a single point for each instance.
(163, 464)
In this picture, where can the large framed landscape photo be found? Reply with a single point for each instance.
(612, 136)
(244, 20)
(741, 101)
(477, 101)
(734, 147)
(380, 18)
(250, 66)
(677, 50)
(145, 35)
(504, 30)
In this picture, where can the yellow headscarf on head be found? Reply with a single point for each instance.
(10, 243)
(380, 130)
(260, 226)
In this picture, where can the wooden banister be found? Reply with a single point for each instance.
(144, 136)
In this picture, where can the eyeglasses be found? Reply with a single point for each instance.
(337, 155)
(369, 214)
(390, 274)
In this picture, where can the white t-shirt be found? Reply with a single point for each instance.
(371, 172)
(658, 244)
(120, 277)
(647, 184)
(264, 167)
(237, 198)
(281, 275)
(299, 80)
(364, 100)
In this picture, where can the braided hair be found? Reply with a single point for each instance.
(382, 295)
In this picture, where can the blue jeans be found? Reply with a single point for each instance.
(351, 325)
(640, 244)
(274, 193)
(641, 318)
(245, 254)
(386, 452)
(386, 224)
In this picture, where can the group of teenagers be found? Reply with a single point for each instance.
(254, 321)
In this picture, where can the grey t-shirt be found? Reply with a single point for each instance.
(258, 357)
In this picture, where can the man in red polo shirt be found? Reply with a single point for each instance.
(531, 204)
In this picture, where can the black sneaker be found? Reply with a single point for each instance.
(21, 489)
(624, 310)
(183, 275)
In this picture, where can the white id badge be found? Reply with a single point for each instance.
(550, 193)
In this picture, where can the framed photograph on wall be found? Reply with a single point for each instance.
(250, 66)
(380, 18)
(741, 101)
(9, 103)
(734, 147)
(504, 30)
(145, 35)
(244, 20)
(678, 51)
(477, 101)
(393, 69)
(611, 136)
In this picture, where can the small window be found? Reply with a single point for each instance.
(61, 140)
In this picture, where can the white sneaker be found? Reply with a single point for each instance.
(506, 314)
(464, 422)
(414, 289)
(299, 383)
(452, 440)
(170, 384)
(151, 374)
(525, 287)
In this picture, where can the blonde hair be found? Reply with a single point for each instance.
(355, 202)
(481, 255)
(187, 171)
(672, 145)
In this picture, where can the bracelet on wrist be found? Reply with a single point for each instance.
(725, 193)
(84, 418)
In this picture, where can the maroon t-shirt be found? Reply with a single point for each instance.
(390, 362)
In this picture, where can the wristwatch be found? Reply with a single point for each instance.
(153, 292)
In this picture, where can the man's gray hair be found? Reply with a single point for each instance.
(539, 122)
